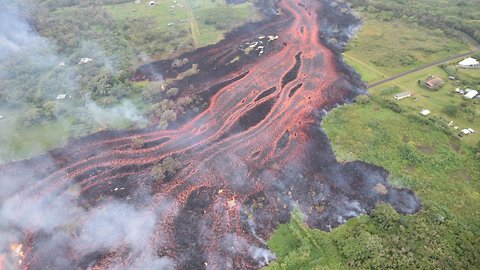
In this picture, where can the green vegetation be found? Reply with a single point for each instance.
(114, 36)
(452, 16)
(180, 25)
(421, 155)
(385, 48)
(468, 77)
(467, 111)
(398, 36)
(167, 168)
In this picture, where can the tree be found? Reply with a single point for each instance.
(177, 63)
(138, 143)
(171, 166)
(52, 109)
(167, 168)
(169, 116)
(32, 116)
(450, 110)
(362, 99)
(158, 173)
(172, 92)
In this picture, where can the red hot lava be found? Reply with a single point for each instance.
(252, 156)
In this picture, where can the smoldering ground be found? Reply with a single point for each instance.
(68, 236)
(64, 226)
(38, 83)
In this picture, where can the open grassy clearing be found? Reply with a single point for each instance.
(440, 168)
(19, 141)
(435, 101)
(386, 48)
(368, 72)
(189, 15)
(24, 142)
(236, 15)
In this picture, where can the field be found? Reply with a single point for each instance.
(19, 141)
(465, 115)
(441, 169)
(385, 48)
(187, 14)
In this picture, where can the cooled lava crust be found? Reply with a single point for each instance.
(255, 154)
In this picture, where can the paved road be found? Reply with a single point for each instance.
(421, 68)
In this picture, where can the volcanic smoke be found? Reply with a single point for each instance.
(249, 159)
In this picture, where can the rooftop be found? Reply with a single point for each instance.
(469, 62)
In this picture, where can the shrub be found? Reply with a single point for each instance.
(450, 110)
(362, 99)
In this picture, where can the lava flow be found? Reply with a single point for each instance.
(255, 154)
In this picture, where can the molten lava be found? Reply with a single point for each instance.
(251, 157)
(17, 252)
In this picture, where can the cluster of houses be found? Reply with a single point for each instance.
(85, 60)
(258, 45)
(468, 93)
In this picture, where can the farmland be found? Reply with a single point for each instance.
(384, 48)
(466, 112)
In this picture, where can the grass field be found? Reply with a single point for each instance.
(19, 143)
(440, 169)
(187, 14)
(385, 48)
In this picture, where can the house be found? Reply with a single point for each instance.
(61, 96)
(460, 91)
(469, 63)
(453, 78)
(402, 95)
(152, 3)
(434, 82)
(471, 94)
(425, 112)
(272, 38)
(466, 131)
(85, 60)
(1, 117)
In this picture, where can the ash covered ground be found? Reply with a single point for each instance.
(252, 156)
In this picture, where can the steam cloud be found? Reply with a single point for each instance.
(21, 47)
(56, 216)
